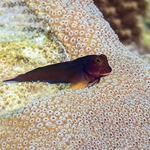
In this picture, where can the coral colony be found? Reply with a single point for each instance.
(112, 115)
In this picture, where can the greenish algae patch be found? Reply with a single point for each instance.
(20, 57)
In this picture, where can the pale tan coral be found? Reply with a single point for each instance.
(74, 26)
(146, 57)
(112, 115)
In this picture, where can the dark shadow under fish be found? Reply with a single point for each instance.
(81, 72)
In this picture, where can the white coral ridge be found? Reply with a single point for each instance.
(112, 115)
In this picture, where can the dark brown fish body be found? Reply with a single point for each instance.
(81, 71)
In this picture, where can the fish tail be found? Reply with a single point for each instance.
(9, 80)
(16, 79)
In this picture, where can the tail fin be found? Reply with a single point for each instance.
(16, 79)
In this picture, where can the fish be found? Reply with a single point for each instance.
(82, 72)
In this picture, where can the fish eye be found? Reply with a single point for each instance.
(98, 60)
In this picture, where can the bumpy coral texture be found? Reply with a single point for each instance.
(112, 115)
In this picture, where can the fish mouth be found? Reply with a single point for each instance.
(106, 72)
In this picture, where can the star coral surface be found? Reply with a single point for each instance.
(112, 115)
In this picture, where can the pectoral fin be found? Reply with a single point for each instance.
(79, 82)
(93, 82)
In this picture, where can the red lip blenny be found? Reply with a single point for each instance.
(81, 72)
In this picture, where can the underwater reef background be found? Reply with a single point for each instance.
(112, 115)
(130, 21)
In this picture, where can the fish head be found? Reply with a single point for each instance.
(97, 66)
